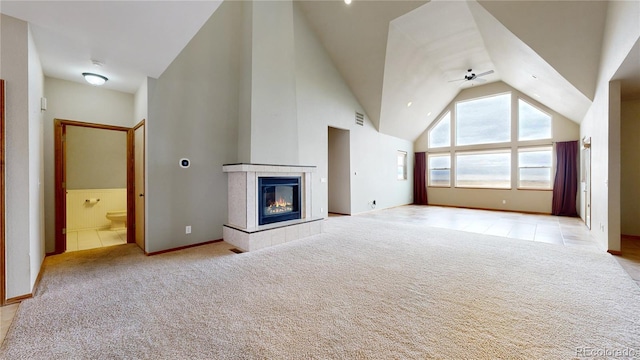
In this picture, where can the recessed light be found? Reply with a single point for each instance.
(409, 104)
(347, 2)
(429, 113)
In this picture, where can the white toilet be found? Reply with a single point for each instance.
(118, 219)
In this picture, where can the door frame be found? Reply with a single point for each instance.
(60, 156)
(586, 163)
(141, 124)
(344, 182)
(2, 199)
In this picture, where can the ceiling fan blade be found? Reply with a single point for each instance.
(457, 80)
(480, 80)
(485, 73)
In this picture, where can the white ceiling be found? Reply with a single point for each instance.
(424, 55)
(134, 39)
(389, 52)
(439, 40)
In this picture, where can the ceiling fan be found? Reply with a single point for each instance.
(471, 76)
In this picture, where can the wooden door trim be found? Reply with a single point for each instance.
(131, 199)
(138, 125)
(60, 166)
(132, 220)
(2, 206)
(60, 202)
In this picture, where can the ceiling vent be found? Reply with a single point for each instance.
(359, 119)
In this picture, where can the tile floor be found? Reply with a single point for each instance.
(543, 228)
(6, 316)
(561, 231)
(630, 259)
(91, 239)
(565, 231)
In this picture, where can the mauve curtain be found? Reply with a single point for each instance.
(420, 179)
(565, 187)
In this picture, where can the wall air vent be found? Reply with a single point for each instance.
(359, 119)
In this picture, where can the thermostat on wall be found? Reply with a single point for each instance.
(185, 163)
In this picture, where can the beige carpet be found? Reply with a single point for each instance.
(364, 289)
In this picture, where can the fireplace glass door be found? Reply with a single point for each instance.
(279, 199)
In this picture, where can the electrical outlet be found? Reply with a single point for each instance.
(187, 230)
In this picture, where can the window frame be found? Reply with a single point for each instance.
(552, 167)
(402, 153)
(455, 125)
(518, 121)
(503, 150)
(435, 124)
(440, 154)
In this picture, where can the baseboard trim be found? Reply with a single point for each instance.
(481, 208)
(18, 299)
(614, 252)
(181, 248)
(634, 237)
(21, 298)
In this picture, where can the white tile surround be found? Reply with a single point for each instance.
(242, 229)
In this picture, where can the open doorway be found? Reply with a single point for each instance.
(93, 184)
(339, 172)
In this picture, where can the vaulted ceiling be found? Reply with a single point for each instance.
(390, 53)
(549, 50)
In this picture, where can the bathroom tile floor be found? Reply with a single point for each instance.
(91, 239)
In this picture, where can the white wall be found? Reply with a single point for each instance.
(273, 86)
(193, 113)
(198, 109)
(141, 103)
(538, 201)
(36, 163)
(74, 101)
(96, 158)
(621, 33)
(20, 67)
(630, 168)
(323, 100)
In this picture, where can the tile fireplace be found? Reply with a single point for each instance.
(269, 205)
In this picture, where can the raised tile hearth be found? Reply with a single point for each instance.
(243, 228)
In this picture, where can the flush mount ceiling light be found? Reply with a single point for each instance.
(94, 79)
(347, 2)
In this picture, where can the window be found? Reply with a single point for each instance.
(440, 135)
(533, 124)
(484, 121)
(402, 165)
(534, 167)
(439, 170)
(487, 169)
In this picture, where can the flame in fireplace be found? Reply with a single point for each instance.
(279, 206)
(280, 203)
